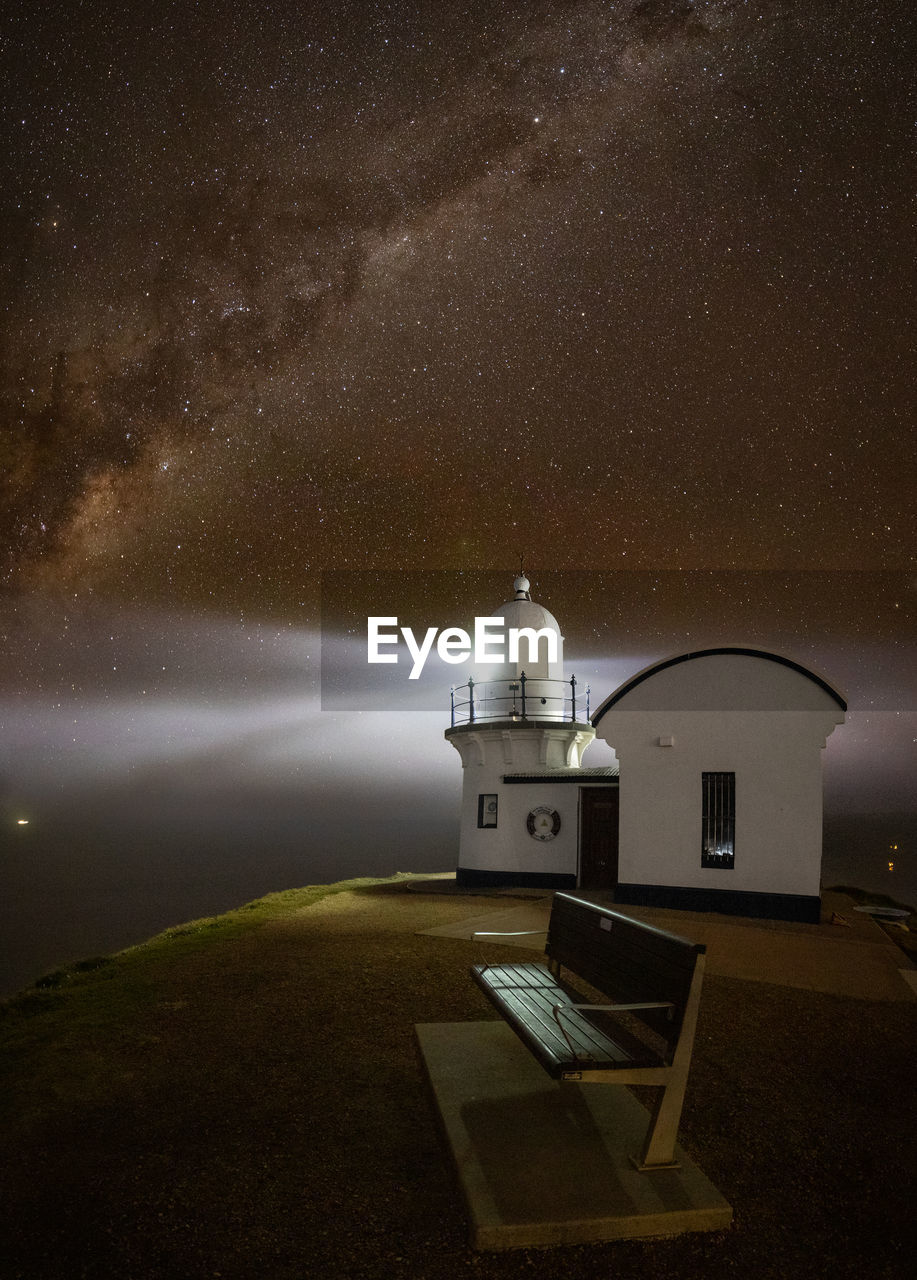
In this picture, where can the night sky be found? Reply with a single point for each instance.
(298, 288)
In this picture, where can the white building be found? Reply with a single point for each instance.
(720, 787)
(720, 757)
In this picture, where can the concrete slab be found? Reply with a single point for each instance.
(859, 961)
(861, 964)
(910, 977)
(542, 1163)
(525, 926)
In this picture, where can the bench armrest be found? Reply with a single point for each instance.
(558, 1009)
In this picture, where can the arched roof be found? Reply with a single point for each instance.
(521, 613)
(727, 651)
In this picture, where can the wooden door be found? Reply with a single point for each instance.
(598, 838)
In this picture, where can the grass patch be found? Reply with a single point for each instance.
(80, 1031)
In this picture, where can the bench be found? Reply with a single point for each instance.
(651, 977)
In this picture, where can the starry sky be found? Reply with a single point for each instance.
(297, 289)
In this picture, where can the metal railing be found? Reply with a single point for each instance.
(527, 698)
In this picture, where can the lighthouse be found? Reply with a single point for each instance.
(714, 799)
(521, 730)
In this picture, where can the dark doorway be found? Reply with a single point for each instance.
(598, 866)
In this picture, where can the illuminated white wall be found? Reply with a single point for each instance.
(743, 713)
(490, 753)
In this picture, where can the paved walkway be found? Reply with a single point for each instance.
(856, 959)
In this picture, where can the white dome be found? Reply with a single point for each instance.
(525, 614)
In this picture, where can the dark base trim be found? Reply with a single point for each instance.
(759, 906)
(474, 879)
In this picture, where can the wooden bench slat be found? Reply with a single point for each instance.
(538, 1008)
(547, 1041)
(526, 996)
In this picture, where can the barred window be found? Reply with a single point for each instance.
(719, 820)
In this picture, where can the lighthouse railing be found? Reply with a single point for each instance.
(526, 698)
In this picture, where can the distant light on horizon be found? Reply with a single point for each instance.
(22, 822)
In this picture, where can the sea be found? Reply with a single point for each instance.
(73, 891)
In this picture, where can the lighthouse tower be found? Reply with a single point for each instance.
(521, 733)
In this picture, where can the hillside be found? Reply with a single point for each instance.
(242, 1097)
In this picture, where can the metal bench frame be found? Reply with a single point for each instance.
(658, 977)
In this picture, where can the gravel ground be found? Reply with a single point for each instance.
(267, 1116)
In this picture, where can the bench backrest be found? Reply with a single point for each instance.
(624, 958)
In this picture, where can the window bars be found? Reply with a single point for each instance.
(719, 820)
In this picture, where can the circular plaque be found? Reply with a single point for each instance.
(543, 823)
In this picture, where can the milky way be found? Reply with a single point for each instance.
(395, 286)
(297, 288)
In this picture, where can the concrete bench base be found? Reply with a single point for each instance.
(542, 1163)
